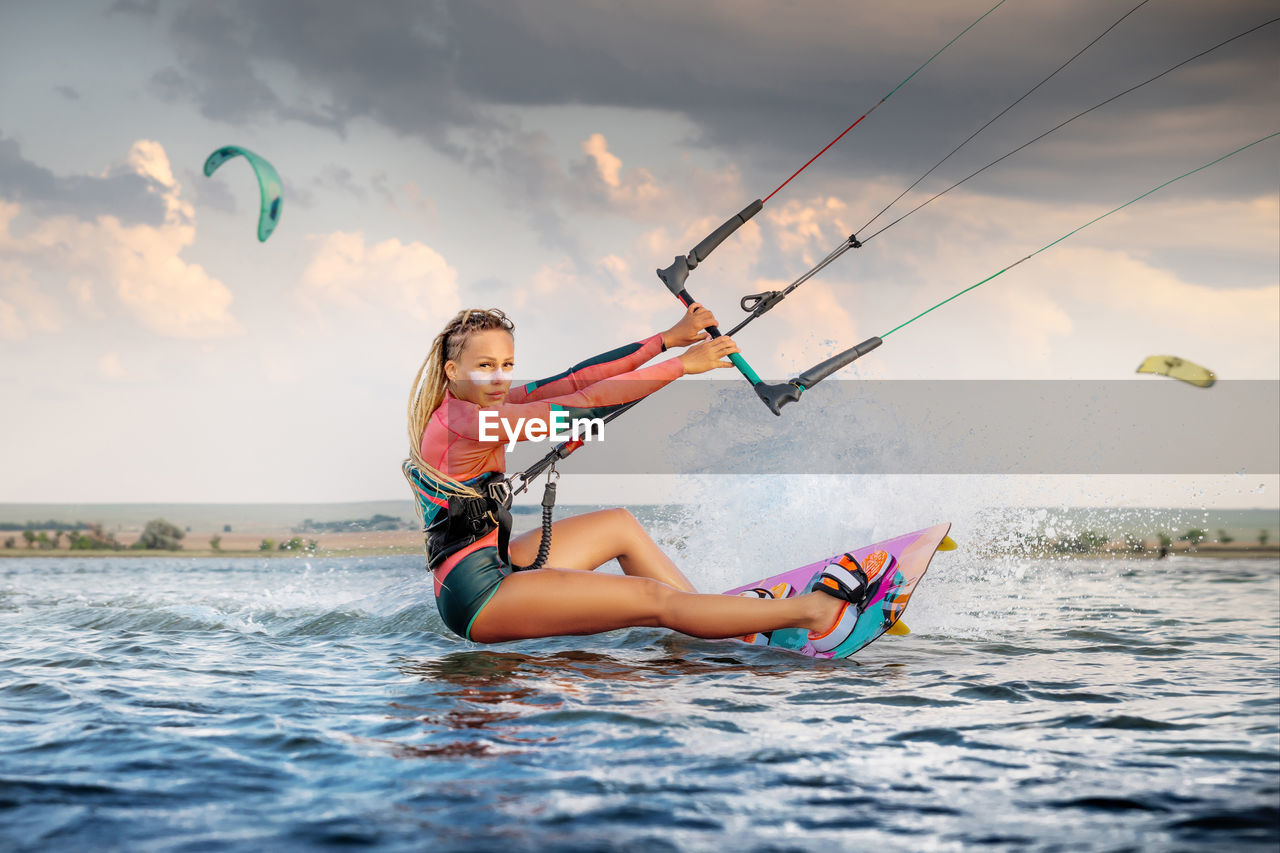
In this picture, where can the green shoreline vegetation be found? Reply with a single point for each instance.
(160, 537)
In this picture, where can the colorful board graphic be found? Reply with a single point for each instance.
(912, 553)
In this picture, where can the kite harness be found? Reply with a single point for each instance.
(469, 519)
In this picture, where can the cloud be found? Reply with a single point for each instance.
(392, 60)
(557, 298)
(139, 263)
(469, 79)
(1077, 310)
(801, 226)
(23, 307)
(456, 76)
(1086, 312)
(1033, 319)
(417, 200)
(31, 310)
(624, 286)
(123, 191)
(342, 179)
(635, 190)
(1128, 287)
(609, 166)
(983, 232)
(1238, 229)
(168, 296)
(411, 278)
(551, 190)
(208, 194)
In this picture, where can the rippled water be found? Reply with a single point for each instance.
(287, 704)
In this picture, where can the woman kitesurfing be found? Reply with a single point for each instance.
(456, 468)
(480, 592)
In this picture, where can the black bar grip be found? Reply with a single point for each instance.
(674, 276)
(819, 372)
(686, 299)
(699, 252)
(778, 395)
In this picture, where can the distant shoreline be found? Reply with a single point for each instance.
(196, 544)
(375, 528)
(377, 543)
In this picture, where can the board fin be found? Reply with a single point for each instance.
(899, 629)
(947, 544)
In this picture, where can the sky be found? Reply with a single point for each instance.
(546, 158)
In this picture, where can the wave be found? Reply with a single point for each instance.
(320, 598)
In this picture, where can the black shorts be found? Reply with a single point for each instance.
(467, 588)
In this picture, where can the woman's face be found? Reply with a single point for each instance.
(482, 372)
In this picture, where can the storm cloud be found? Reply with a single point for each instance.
(122, 192)
(768, 82)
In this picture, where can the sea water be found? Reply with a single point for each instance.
(281, 704)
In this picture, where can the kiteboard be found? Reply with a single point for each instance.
(907, 557)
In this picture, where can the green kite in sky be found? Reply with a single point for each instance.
(268, 184)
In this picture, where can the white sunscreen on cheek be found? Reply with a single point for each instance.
(486, 377)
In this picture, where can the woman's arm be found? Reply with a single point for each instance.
(470, 423)
(615, 362)
(499, 423)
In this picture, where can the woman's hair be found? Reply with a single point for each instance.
(430, 384)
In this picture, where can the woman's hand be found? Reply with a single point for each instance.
(689, 329)
(708, 355)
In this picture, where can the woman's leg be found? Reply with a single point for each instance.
(588, 541)
(554, 602)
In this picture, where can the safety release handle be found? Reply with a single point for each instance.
(779, 394)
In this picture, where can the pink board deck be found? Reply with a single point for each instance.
(912, 552)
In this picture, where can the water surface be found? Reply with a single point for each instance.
(248, 704)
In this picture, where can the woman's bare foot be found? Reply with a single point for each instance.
(823, 611)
